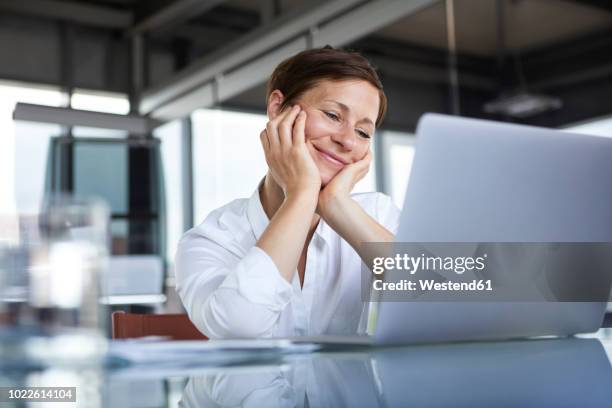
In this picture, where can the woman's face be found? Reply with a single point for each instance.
(339, 124)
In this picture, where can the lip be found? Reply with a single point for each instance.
(331, 157)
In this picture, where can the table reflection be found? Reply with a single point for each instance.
(560, 372)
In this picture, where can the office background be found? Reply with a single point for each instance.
(179, 87)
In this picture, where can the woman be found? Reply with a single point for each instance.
(286, 262)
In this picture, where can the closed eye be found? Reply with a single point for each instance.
(363, 134)
(332, 116)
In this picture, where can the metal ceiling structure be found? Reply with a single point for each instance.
(174, 56)
(220, 77)
(134, 124)
(173, 14)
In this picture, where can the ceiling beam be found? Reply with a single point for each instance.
(174, 14)
(133, 124)
(250, 60)
(72, 11)
(240, 50)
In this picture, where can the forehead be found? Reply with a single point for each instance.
(361, 97)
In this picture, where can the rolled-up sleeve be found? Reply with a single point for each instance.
(228, 296)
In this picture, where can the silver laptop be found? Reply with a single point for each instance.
(483, 181)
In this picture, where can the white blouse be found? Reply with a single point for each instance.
(231, 288)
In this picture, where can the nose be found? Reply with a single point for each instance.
(345, 137)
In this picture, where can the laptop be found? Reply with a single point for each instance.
(484, 181)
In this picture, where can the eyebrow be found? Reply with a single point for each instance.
(346, 109)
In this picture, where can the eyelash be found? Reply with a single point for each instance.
(335, 117)
(364, 134)
(332, 116)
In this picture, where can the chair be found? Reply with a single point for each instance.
(175, 326)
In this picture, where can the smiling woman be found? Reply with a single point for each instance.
(287, 261)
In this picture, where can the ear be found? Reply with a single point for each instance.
(275, 100)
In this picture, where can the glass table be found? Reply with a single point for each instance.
(540, 373)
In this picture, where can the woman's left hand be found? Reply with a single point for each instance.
(338, 190)
(344, 215)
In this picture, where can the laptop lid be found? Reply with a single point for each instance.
(483, 181)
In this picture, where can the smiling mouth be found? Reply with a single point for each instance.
(328, 157)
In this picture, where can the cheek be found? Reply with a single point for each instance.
(316, 128)
(325, 171)
(361, 150)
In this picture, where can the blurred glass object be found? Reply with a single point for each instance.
(49, 285)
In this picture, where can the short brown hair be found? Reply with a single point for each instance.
(303, 71)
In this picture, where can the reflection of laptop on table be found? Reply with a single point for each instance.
(482, 181)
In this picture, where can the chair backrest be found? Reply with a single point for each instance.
(175, 326)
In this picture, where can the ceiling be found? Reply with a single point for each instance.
(566, 43)
(528, 24)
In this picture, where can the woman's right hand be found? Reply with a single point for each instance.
(290, 163)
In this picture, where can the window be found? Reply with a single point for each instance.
(131, 232)
(99, 102)
(170, 136)
(101, 169)
(24, 148)
(228, 161)
(398, 150)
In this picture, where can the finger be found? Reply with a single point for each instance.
(272, 129)
(285, 127)
(299, 129)
(368, 158)
(272, 136)
(364, 166)
(360, 168)
(356, 171)
(365, 162)
(280, 116)
(360, 176)
(265, 143)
